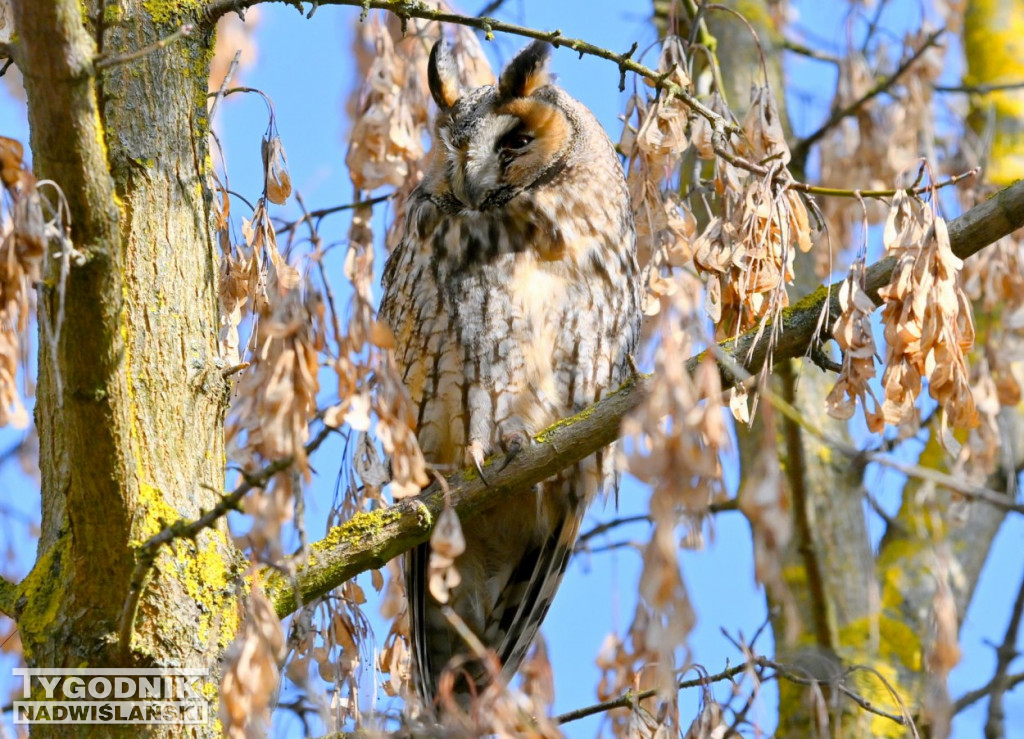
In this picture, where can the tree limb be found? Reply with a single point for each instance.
(370, 540)
(406, 9)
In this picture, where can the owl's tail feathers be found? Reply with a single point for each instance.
(446, 658)
(525, 601)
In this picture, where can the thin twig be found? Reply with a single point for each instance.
(222, 90)
(630, 697)
(603, 528)
(722, 127)
(314, 237)
(873, 25)
(951, 482)
(979, 89)
(1006, 653)
(308, 217)
(811, 53)
(103, 61)
(411, 9)
(491, 7)
(971, 697)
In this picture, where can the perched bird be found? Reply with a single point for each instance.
(514, 299)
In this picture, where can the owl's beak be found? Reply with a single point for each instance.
(476, 180)
(473, 196)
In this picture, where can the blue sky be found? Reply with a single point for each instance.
(305, 68)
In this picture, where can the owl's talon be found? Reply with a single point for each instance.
(480, 471)
(513, 443)
(476, 454)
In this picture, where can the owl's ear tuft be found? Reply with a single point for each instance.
(526, 73)
(443, 76)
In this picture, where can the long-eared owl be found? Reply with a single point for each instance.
(514, 299)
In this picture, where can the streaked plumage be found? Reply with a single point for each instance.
(514, 299)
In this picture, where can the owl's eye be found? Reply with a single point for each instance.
(515, 140)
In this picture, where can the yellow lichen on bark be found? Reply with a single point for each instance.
(994, 46)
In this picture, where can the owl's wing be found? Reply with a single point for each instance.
(511, 624)
(424, 674)
(524, 602)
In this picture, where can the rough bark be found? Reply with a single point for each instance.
(130, 415)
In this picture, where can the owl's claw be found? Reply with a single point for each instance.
(480, 471)
(477, 455)
(513, 443)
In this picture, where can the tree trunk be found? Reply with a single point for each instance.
(130, 413)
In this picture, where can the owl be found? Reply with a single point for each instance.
(514, 300)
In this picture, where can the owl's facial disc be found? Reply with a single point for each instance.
(499, 141)
(504, 151)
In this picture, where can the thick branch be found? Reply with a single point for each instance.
(370, 540)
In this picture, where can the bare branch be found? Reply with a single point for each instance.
(406, 9)
(492, 7)
(803, 146)
(630, 698)
(370, 540)
(966, 488)
(811, 53)
(316, 215)
(1006, 653)
(979, 89)
(603, 528)
(722, 127)
(971, 697)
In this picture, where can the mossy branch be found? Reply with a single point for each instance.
(8, 596)
(370, 540)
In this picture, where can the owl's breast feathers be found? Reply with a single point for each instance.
(537, 301)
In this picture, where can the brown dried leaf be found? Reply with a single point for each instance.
(277, 181)
(538, 677)
(251, 670)
(852, 331)
(763, 127)
(927, 319)
(446, 544)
